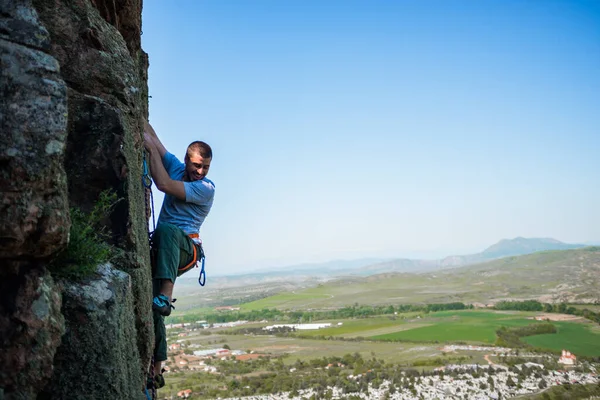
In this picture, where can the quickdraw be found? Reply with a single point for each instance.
(147, 182)
(202, 276)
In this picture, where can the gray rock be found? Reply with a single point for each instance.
(31, 332)
(98, 47)
(34, 217)
(98, 358)
(19, 24)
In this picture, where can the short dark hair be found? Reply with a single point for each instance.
(201, 148)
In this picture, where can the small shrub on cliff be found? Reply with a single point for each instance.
(88, 246)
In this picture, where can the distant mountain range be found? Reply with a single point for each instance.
(547, 276)
(371, 266)
(504, 248)
(520, 246)
(522, 260)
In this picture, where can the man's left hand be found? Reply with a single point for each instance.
(148, 142)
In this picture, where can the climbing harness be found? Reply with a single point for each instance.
(197, 259)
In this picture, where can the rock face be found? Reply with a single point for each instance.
(31, 325)
(98, 319)
(74, 92)
(34, 216)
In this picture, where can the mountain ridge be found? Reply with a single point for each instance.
(553, 276)
(503, 248)
(371, 266)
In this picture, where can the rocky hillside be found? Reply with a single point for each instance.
(549, 277)
(521, 245)
(74, 91)
(504, 248)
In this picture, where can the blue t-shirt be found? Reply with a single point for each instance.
(189, 214)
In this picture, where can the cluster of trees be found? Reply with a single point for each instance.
(561, 392)
(521, 375)
(280, 330)
(351, 373)
(439, 361)
(264, 376)
(561, 308)
(447, 307)
(510, 337)
(211, 318)
(526, 305)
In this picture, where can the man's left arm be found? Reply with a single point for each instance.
(154, 138)
(161, 177)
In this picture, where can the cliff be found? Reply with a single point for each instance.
(74, 92)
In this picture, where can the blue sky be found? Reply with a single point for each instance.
(350, 129)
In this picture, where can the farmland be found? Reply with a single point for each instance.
(470, 327)
(580, 338)
(396, 318)
(411, 341)
(465, 326)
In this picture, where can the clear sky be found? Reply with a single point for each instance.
(350, 129)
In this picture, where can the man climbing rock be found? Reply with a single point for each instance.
(188, 199)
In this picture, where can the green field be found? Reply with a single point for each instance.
(459, 326)
(359, 327)
(473, 327)
(288, 300)
(579, 338)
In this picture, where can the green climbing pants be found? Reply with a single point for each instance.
(174, 250)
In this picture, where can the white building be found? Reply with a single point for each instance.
(567, 358)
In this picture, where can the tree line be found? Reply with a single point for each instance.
(366, 311)
(561, 308)
(354, 311)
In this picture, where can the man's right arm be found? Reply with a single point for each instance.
(155, 140)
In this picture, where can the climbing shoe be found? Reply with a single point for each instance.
(156, 382)
(159, 381)
(162, 305)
